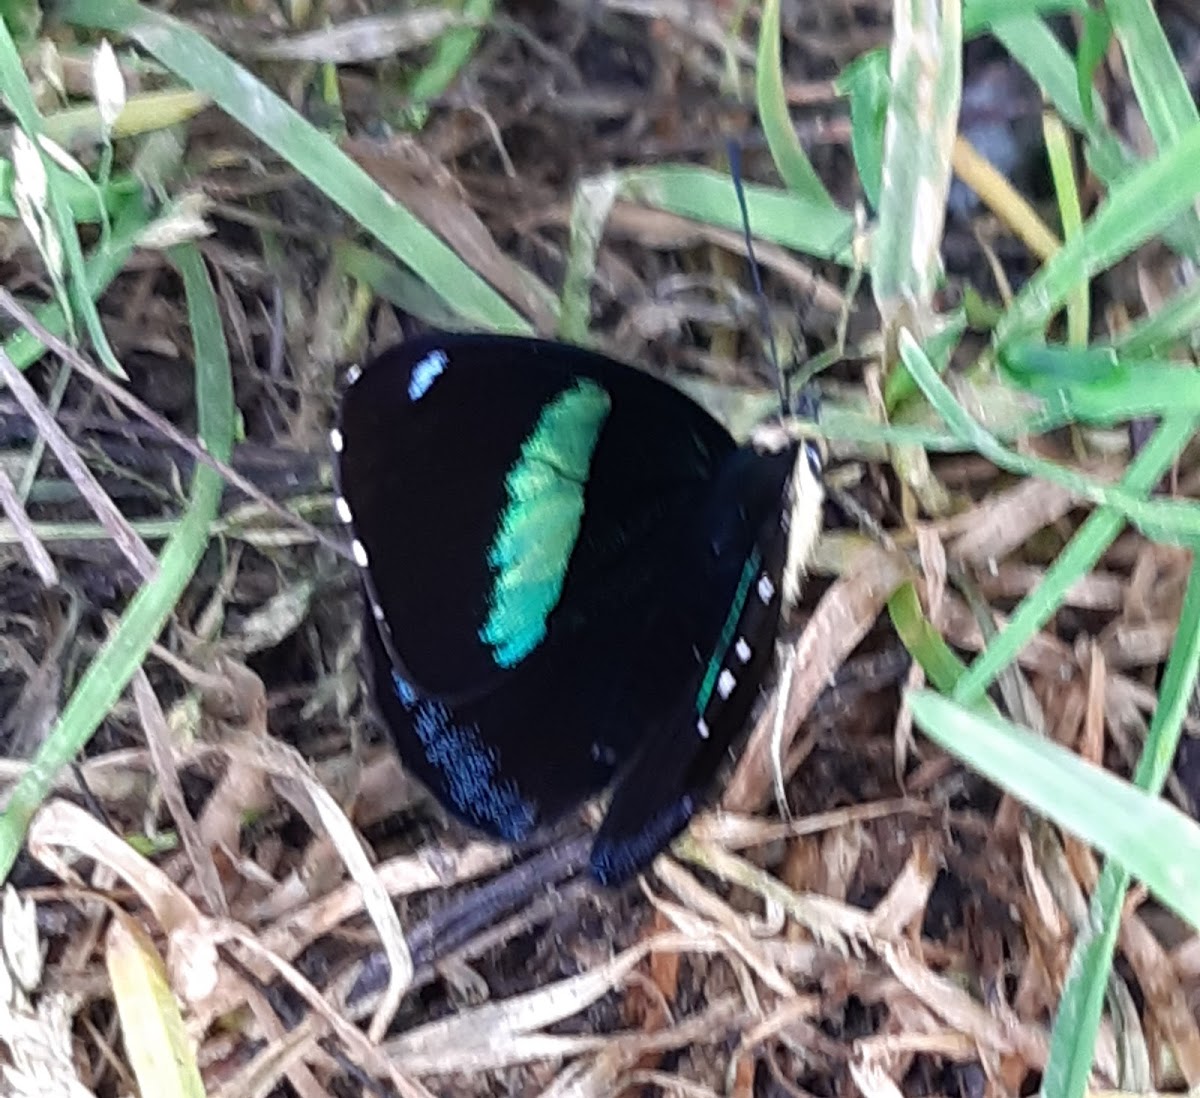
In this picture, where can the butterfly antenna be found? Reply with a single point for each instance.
(735, 170)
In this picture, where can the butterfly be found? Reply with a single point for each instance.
(574, 578)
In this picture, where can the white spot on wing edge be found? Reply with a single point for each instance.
(726, 681)
(742, 649)
(337, 441)
(353, 374)
(766, 589)
(360, 553)
(702, 728)
(342, 508)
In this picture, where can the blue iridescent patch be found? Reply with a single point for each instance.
(425, 373)
(404, 691)
(613, 862)
(472, 775)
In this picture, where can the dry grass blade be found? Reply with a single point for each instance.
(296, 781)
(870, 1072)
(10, 504)
(168, 430)
(739, 944)
(158, 741)
(500, 1033)
(1006, 519)
(368, 1054)
(115, 523)
(423, 871)
(363, 39)
(737, 832)
(608, 1071)
(1004, 199)
(834, 924)
(191, 936)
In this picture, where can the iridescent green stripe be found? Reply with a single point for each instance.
(727, 630)
(540, 523)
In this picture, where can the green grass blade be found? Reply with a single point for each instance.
(925, 644)
(1160, 87)
(453, 50)
(787, 152)
(1166, 520)
(1092, 385)
(865, 82)
(979, 16)
(197, 62)
(776, 215)
(1146, 201)
(1077, 1020)
(396, 283)
(1151, 838)
(1178, 321)
(148, 611)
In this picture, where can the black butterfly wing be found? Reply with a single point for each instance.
(729, 603)
(502, 762)
(431, 434)
(544, 738)
(497, 487)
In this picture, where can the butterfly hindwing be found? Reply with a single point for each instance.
(736, 557)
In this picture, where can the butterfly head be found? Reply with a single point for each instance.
(805, 493)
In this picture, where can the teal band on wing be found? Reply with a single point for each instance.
(753, 563)
(540, 523)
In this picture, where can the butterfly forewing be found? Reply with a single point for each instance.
(497, 487)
